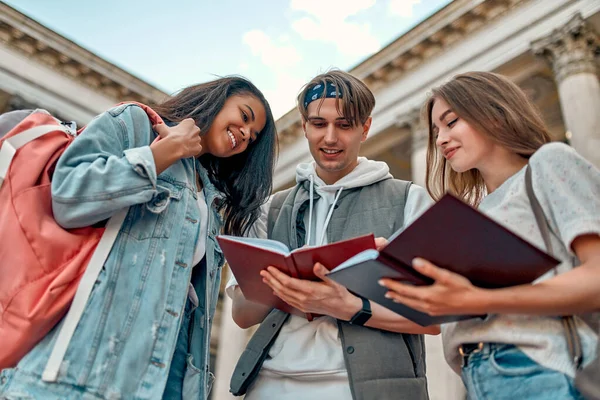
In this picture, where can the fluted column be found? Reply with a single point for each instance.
(443, 383)
(232, 341)
(572, 50)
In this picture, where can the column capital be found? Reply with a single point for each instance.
(571, 48)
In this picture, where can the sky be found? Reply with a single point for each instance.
(277, 44)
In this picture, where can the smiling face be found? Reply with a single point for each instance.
(462, 146)
(235, 127)
(333, 141)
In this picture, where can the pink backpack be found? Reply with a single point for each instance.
(44, 268)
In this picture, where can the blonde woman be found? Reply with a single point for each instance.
(483, 132)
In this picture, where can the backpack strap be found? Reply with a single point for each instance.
(256, 351)
(82, 295)
(573, 339)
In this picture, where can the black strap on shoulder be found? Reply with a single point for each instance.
(255, 353)
(572, 336)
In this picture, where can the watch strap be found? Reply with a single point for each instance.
(363, 315)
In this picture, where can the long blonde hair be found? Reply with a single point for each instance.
(493, 106)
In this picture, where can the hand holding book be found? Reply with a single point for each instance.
(247, 257)
(324, 297)
(450, 294)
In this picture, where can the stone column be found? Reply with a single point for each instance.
(572, 50)
(412, 122)
(444, 384)
(232, 341)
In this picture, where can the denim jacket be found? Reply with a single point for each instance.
(123, 345)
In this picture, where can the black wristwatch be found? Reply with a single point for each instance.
(363, 315)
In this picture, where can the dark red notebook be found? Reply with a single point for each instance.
(248, 256)
(452, 235)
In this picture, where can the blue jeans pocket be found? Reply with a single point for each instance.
(509, 374)
(510, 361)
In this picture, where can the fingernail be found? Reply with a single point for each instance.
(418, 262)
(381, 282)
(387, 296)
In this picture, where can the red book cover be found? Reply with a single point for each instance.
(248, 256)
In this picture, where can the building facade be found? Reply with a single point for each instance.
(42, 69)
(550, 48)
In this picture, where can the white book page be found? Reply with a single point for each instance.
(267, 244)
(363, 256)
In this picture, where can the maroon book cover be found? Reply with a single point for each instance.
(248, 256)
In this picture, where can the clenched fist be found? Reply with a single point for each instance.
(185, 134)
(176, 142)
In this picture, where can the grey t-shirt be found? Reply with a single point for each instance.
(568, 188)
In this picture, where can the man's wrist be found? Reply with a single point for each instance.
(363, 315)
(352, 306)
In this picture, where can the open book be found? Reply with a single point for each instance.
(248, 256)
(452, 235)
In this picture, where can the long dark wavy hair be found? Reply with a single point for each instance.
(245, 179)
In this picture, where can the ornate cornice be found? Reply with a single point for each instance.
(453, 23)
(571, 49)
(21, 33)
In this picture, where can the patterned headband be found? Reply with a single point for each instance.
(318, 92)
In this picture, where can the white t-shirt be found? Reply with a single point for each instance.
(306, 359)
(568, 189)
(201, 243)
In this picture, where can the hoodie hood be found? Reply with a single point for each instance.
(365, 173)
(320, 211)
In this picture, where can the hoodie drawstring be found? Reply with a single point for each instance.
(310, 209)
(310, 212)
(329, 214)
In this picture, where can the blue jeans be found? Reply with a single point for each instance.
(503, 372)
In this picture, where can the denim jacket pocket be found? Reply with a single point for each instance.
(150, 220)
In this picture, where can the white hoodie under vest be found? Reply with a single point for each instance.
(306, 360)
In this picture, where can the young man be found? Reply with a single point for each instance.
(357, 349)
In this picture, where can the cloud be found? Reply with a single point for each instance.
(271, 54)
(332, 9)
(283, 97)
(403, 8)
(328, 22)
(279, 58)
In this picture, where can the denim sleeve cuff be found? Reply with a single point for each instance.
(142, 161)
